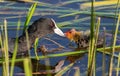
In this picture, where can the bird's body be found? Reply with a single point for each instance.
(82, 38)
(38, 29)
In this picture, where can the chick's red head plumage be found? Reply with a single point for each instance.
(70, 34)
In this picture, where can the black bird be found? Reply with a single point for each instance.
(38, 29)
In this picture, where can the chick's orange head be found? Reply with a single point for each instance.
(70, 34)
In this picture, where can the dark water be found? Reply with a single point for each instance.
(80, 61)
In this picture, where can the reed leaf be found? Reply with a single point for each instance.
(36, 14)
(15, 50)
(2, 50)
(2, 41)
(98, 4)
(69, 2)
(27, 61)
(106, 8)
(28, 18)
(29, 15)
(70, 22)
(95, 47)
(6, 63)
(35, 48)
(11, 24)
(114, 40)
(51, 8)
(66, 68)
(27, 67)
(107, 51)
(113, 46)
(103, 57)
(118, 66)
(92, 41)
(53, 55)
(77, 71)
(62, 11)
(47, 62)
(101, 14)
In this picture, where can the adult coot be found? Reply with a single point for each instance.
(38, 29)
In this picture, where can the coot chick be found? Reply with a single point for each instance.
(38, 29)
(82, 38)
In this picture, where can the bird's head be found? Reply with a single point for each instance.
(72, 34)
(45, 26)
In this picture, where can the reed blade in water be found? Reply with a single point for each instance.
(15, 50)
(98, 3)
(29, 15)
(95, 47)
(35, 48)
(118, 66)
(6, 63)
(115, 36)
(27, 67)
(92, 41)
(113, 46)
(77, 71)
(103, 57)
(60, 73)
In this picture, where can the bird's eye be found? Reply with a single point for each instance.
(52, 25)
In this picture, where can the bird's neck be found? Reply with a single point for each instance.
(76, 36)
(27, 38)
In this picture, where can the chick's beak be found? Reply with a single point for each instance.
(57, 30)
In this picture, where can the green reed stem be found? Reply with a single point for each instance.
(1, 41)
(29, 15)
(27, 67)
(113, 46)
(62, 71)
(92, 41)
(118, 66)
(93, 59)
(2, 51)
(103, 57)
(95, 47)
(6, 64)
(28, 18)
(35, 48)
(15, 50)
(107, 51)
(77, 71)
(53, 55)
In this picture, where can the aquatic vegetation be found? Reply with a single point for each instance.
(50, 54)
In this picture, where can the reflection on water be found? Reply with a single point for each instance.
(39, 69)
(73, 58)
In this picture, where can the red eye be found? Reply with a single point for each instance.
(70, 32)
(52, 25)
